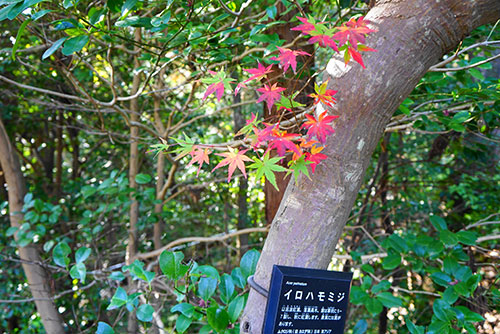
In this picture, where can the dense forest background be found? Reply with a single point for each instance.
(98, 100)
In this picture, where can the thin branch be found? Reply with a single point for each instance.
(488, 238)
(454, 69)
(41, 90)
(364, 258)
(181, 241)
(28, 300)
(451, 58)
(227, 10)
(483, 221)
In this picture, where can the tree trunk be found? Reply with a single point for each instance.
(239, 122)
(132, 326)
(160, 166)
(59, 155)
(37, 277)
(411, 37)
(273, 196)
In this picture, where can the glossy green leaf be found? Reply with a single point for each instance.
(116, 276)
(185, 308)
(182, 323)
(467, 237)
(374, 306)
(82, 254)
(381, 286)
(391, 261)
(20, 33)
(368, 268)
(226, 288)
(145, 313)
(248, 262)
(389, 300)
(127, 6)
(442, 310)
(115, 5)
(60, 254)
(143, 178)
(448, 238)
(438, 222)
(438, 327)
(450, 296)
(74, 44)
(238, 278)
(40, 14)
(78, 271)
(171, 265)
(104, 328)
(235, 308)
(206, 287)
(441, 278)
(360, 327)
(118, 300)
(414, 329)
(57, 44)
(217, 318)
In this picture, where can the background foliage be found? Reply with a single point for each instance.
(422, 239)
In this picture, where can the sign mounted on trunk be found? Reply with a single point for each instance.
(307, 301)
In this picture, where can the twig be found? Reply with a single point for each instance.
(28, 300)
(180, 241)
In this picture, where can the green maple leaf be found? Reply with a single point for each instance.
(299, 166)
(267, 166)
(158, 148)
(186, 146)
(289, 103)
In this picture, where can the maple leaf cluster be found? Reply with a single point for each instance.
(349, 38)
(305, 150)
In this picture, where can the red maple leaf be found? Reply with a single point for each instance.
(282, 141)
(217, 84)
(322, 94)
(288, 58)
(259, 72)
(324, 41)
(355, 55)
(306, 27)
(199, 156)
(233, 158)
(315, 157)
(217, 87)
(270, 93)
(319, 128)
(263, 135)
(352, 31)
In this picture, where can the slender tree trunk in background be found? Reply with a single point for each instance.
(239, 122)
(132, 326)
(59, 154)
(411, 37)
(385, 219)
(38, 280)
(75, 149)
(273, 196)
(160, 166)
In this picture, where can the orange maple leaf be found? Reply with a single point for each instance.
(199, 156)
(233, 158)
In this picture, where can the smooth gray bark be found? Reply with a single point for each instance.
(36, 275)
(412, 36)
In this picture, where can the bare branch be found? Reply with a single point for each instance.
(181, 241)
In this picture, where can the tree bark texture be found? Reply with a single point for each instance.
(273, 196)
(38, 279)
(132, 325)
(411, 37)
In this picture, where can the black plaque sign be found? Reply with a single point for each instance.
(307, 301)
